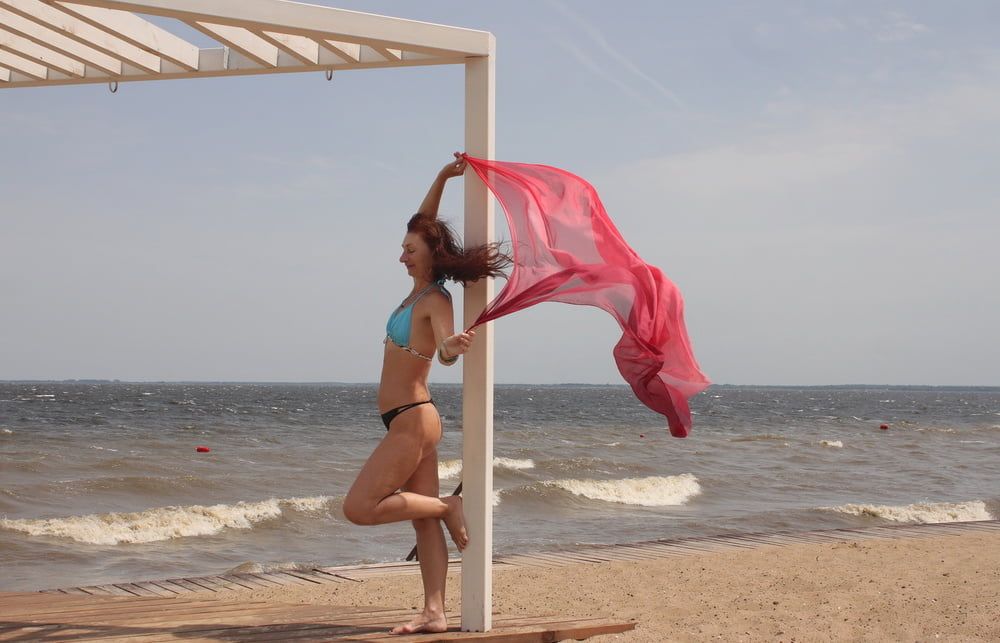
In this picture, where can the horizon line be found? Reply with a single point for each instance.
(456, 384)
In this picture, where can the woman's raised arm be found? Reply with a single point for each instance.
(433, 199)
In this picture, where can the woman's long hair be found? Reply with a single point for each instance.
(450, 259)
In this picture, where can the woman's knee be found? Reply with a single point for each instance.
(358, 510)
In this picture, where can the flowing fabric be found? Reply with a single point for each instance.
(565, 248)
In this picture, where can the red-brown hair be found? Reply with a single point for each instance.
(450, 259)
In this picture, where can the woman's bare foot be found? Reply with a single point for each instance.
(455, 521)
(423, 623)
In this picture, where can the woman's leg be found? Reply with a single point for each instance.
(432, 552)
(372, 499)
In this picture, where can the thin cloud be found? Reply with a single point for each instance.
(588, 62)
(595, 34)
(899, 28)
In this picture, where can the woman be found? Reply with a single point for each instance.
(400, 479)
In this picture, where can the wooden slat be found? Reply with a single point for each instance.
(58, 41)
(186, 584)
(90, 37)
(242, 40)
(137, 31)
(239, 581)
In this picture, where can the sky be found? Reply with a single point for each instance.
(819, 179)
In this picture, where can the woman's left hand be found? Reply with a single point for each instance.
(454, 168)
(458, 344)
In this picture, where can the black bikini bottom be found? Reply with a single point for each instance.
(391, 414)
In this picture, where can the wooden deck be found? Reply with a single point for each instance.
(206, 608)
(36, 616)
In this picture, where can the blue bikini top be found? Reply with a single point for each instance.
(397, 329)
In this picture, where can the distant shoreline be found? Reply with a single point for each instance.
(837, 387)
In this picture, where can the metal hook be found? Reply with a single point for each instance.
(113, 86)
(329, 74)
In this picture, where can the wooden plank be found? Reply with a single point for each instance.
(182, 583)
(137, 31)
(315, 21)
(318, 579)
(155, 589)
(244, 581)
(136, 589)
(65, 25)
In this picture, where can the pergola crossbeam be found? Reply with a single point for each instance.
(90, 38)
(4, 75)
(57, 41)
(304, 49)
(388, 53)
(312, 20)
(137, 31)
(95, 41)
(20, 64)
(242, 40)
(31, 50)
(348, 51)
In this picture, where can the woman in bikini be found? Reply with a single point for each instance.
(400, 479)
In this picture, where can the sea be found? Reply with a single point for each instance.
(102, 481)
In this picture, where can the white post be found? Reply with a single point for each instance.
(477, 390)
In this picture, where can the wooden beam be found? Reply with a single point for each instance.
(253, 47)
(4, 75)
(477, 374)
(348, 51)
(42, 55)
(23, 65)
(304, 49)
(46, 37)
(213, 64)
(133, 29)
(314, 21)
(68, 26)
(387, 53)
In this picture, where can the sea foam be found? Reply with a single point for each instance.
(836, 444)
(453, 468)
(162, 523)
(921, 512)
(654, 491)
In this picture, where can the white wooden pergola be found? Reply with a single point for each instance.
(52, 42)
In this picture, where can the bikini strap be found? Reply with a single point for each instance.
(424, 292)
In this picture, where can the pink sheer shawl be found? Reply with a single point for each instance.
(566, 249)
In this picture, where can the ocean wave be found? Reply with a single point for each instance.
(162, 523)
(921, 512)
(264, 568)
(449, 469)
(836, 444)
(654, 491)
(453, 468)
(758, 438)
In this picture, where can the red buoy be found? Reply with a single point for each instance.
(641, 435)
(884, 427)
(202, 449)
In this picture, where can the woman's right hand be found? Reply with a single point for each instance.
(454, 168)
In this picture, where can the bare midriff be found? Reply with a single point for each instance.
(404, 378)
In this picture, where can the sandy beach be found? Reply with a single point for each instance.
(902, 589)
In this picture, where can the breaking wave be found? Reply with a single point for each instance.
(654, 491)
(162, 523)
(921, 512)
(453, 468)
